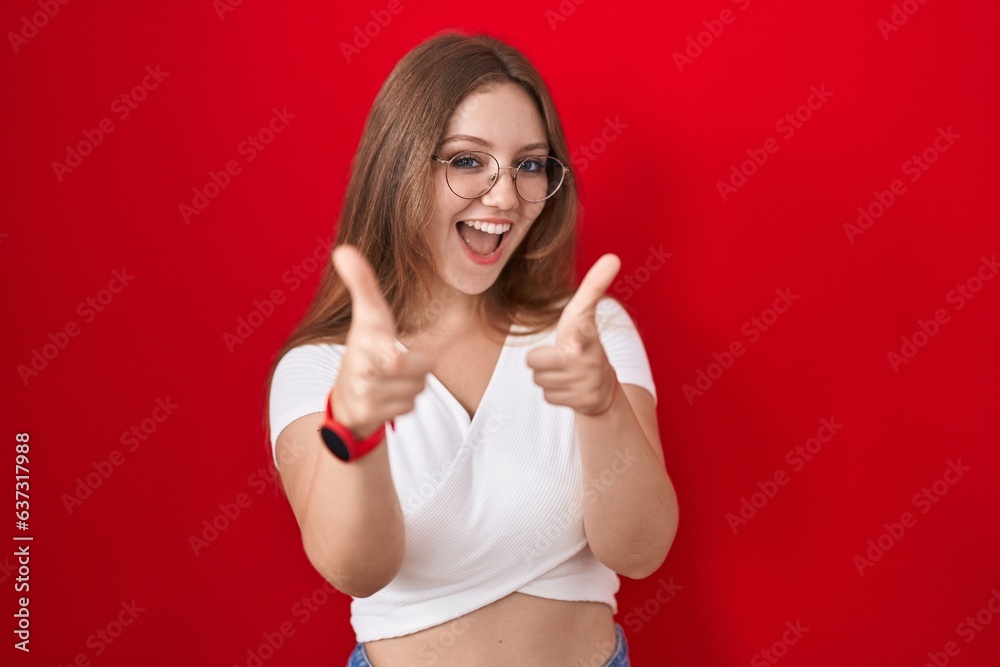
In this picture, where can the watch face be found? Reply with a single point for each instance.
(335, 444)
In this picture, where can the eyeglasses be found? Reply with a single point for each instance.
(471, 174)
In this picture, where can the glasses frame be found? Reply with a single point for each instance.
(496, 178)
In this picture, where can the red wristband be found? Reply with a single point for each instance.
(341, 442)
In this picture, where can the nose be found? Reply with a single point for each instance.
(503, 194)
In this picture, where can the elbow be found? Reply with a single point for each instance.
(635, 561)
(645, 555)
(357, 575)
(639, 572)
(358, 588)
(638, 564)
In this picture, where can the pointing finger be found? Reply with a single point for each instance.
(369, 309)
(582, 306)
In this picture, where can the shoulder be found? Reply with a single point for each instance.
(302, 379)
(623, 345)
(308, 352)
(308, 360)
(611, 315)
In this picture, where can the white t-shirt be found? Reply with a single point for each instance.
(491, 506)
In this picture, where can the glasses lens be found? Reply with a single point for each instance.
(472, 173)
(539, 176)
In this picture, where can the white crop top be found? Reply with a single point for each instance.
(490, 506)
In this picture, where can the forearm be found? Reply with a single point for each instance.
(629, 505)
(350, 515)
(352, 527)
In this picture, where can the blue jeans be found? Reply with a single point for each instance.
(619, 658)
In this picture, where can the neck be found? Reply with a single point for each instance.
(449, 312)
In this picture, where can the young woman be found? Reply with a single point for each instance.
(470, 445)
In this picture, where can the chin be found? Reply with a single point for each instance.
(470, 285)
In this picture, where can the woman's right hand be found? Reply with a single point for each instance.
(377, 381)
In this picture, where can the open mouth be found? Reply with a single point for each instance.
(482, 239)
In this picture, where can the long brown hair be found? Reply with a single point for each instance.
(390, 199)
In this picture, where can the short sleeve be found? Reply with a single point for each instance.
(623, 345)
(301, 382)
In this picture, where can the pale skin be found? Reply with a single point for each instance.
(349, 514)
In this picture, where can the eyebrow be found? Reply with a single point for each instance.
(486, 144)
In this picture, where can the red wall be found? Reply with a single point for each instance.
(664, 132)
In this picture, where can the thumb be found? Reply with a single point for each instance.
(576, 323)
(369, 310)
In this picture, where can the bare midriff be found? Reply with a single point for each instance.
(518, 629)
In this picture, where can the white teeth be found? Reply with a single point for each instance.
(488, 227)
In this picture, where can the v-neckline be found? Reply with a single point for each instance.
(457, 406)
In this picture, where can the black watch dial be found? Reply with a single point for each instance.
(335, 444)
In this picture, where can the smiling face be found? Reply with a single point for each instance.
(503, 121)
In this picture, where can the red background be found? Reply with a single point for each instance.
(654, 185)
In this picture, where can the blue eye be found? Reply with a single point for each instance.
(466, 162)
(533, 165)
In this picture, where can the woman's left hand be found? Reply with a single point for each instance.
(575, 372)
